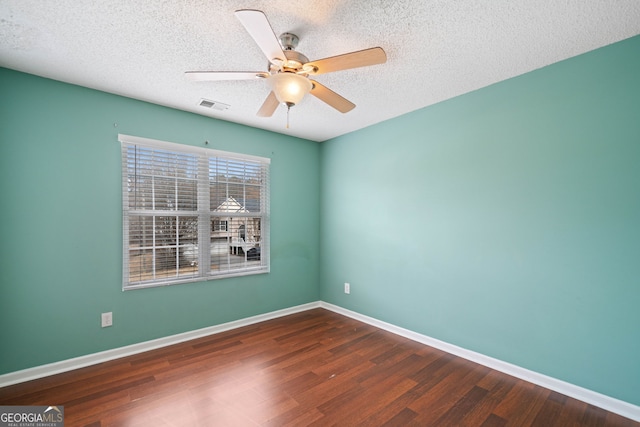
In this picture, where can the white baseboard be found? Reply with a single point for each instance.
(610, 404)
(116, 353)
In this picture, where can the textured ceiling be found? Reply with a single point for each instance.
(436, 49)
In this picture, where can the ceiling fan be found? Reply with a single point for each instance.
(288, 70)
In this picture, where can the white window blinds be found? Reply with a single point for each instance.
(191, 213)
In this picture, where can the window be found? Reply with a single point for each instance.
(219, 225)
(191, 213)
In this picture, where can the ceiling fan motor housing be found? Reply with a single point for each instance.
(294, 63)
(295, 60)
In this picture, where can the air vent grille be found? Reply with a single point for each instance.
(214, 105)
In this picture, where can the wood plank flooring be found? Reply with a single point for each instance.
(314, 368)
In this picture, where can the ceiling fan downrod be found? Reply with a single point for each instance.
(289, 41)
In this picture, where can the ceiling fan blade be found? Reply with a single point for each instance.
(208, 76)
(269, 106)
(258, 27)
(336, 101)
(361, 58)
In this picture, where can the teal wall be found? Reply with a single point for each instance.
(505, 221)
(61, 224)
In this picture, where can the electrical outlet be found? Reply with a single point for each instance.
(107, 319)
(347, 288)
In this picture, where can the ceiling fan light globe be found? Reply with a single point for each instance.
(289, 88)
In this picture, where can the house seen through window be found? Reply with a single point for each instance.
(191, 213)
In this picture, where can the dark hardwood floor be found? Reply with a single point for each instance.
(311, 368)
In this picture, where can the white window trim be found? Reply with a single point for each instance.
(204, 213)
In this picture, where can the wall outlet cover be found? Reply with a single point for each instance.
(107, 319)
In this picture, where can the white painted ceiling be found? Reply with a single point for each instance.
(436, 49)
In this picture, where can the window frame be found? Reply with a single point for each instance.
(220, 225)
(205, 212)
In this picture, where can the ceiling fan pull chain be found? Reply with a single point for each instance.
(288, 109)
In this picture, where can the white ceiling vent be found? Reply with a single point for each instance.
(214, 105)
